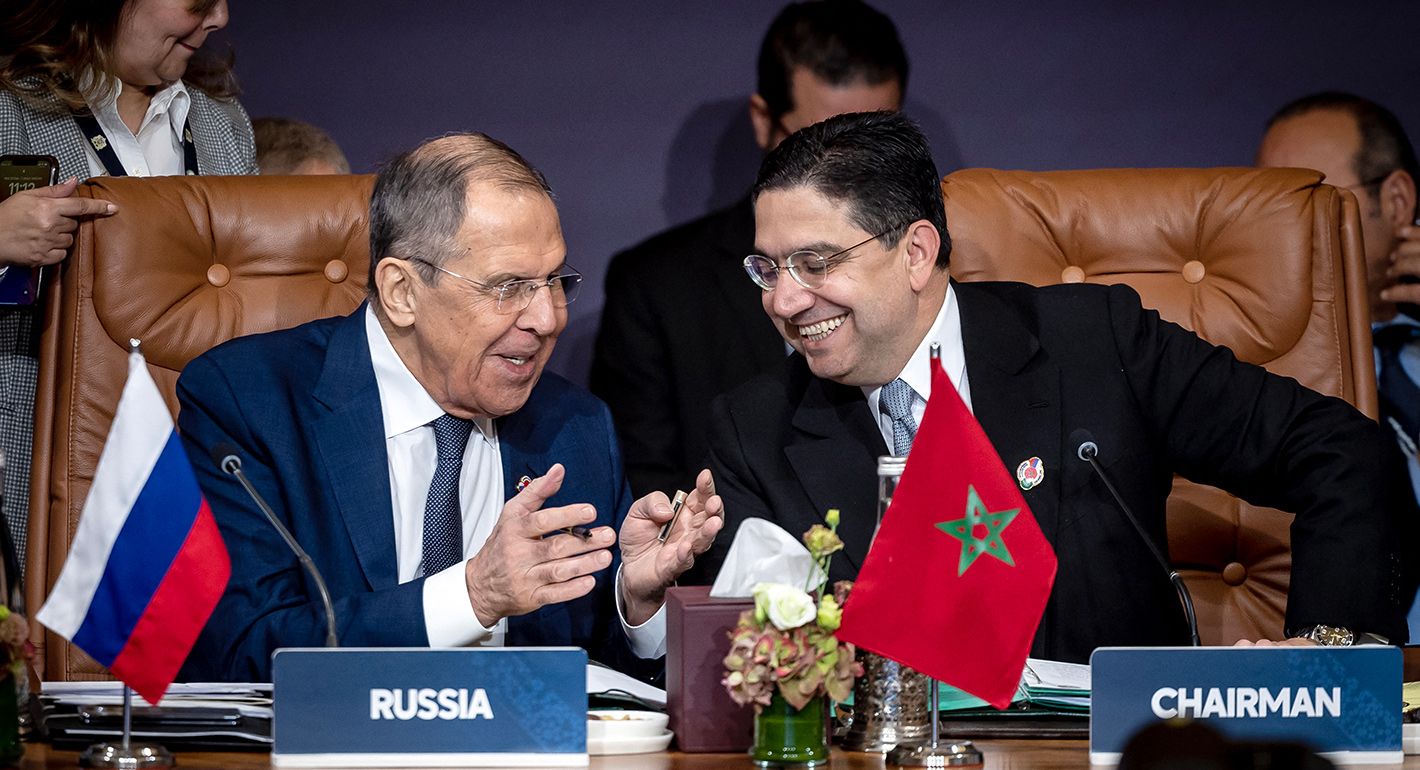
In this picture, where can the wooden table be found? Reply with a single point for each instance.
(1013, 754)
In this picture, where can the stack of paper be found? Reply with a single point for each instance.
(190, 716)
(1047, 684)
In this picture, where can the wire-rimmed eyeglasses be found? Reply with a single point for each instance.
(515, 296)
(808, 268)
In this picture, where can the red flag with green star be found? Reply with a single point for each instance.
(957, 579)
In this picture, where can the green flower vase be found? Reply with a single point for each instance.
(10, 749)
(788, 737)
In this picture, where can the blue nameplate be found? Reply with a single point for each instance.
(1343, 702)
(503, 706)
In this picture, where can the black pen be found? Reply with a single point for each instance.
(578, 530)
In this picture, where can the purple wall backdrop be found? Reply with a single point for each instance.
(635, 110)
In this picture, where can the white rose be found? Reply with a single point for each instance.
(787, 607)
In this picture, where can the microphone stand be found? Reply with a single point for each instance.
(1089, 452)
(232, 465)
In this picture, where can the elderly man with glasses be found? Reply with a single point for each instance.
(851, 209)
(449, 490)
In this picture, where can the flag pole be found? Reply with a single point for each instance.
(934, 754)
(128, 719)
(127, 754)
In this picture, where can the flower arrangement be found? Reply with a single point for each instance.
(787, 641)
(15, 645)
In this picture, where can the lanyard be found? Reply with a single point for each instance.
(89, 126)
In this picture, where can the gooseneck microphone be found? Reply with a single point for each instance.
(1087, 450)
(225, 456)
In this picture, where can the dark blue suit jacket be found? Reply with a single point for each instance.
(303, 409)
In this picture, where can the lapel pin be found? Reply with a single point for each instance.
(523, 483)
(1030, 473)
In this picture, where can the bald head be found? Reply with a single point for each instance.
(421, 197)
(1360, 147)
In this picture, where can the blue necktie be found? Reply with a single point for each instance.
(1400, 397)
(896, 401)
(443, 520)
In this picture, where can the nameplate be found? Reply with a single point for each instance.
(495, 706)
(1342, 702)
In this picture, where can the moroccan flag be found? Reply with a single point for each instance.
(957, 579)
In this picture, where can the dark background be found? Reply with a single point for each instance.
(636, 110)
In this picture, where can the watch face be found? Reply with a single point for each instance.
(1333, 636)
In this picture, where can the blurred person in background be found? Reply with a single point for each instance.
(287, 146)
(116, 88)
(1361, 146)
(681, 324)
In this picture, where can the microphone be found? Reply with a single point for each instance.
(225, 456)
(1087, 450)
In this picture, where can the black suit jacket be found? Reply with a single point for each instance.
(1043, 363)
(682, 324)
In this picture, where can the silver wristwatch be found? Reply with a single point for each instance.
(1336, 636)
(1327, 636)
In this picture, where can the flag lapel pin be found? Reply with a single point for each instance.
(1030, 473)
(524, 482)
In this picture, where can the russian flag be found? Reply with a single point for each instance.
(147, 564)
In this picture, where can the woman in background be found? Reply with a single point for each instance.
(113, 87)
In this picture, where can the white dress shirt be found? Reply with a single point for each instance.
(408, 410)
(156, 150)
(945, 331)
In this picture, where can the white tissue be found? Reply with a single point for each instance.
(763, 553)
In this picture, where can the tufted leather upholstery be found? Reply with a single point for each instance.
(1266, 262)
(186, 263)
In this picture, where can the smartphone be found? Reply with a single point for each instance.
(20, 285)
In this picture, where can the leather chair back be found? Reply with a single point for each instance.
(1265, 262)
(185, 264)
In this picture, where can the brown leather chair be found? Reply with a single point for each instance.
(186, 263)
(1265, 262)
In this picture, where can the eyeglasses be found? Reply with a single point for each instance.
(808, 268)
(515, 296)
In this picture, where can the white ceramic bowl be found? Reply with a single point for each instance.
(616, 725)
(639, 744)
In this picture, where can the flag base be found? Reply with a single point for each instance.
(134, 755)
(952, 754)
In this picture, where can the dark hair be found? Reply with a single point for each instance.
(1384, 146)
(878, 163)
(840, 41)
(420, 198)
(48, 45)
(283, 144)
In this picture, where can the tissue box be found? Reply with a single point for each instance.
(697, 638)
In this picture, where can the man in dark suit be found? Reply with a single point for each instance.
(419, 454)
(849, 218)
(1362, 147)
(680, 324)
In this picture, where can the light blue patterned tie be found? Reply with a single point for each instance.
(896, 400)
(443, 521)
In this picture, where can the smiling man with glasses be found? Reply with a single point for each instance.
(852, 210)
(451, 491)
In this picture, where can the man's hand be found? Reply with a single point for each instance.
(1300, 641)
(517, 570)
(648, 566)
(1404, 266)
(37, 226)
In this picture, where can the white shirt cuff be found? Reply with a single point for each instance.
(648, 640)
(449, 619)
